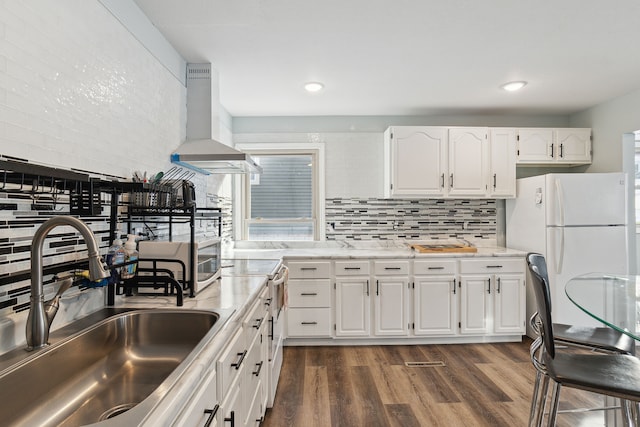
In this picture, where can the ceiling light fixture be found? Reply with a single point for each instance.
(513, 86)
(313, 86)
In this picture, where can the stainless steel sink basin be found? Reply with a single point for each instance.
(103, 370)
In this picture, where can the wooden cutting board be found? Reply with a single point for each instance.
(445, 247)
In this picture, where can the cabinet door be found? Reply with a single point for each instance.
(353, 310)
(203, 404)
(475, 293)
(435, 305)
(535, 146)
(502, 162)
(573, 145)
(509, 297)
(391, 311)
(418, 161)
(467, 162)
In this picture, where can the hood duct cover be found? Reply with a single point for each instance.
(201, 152)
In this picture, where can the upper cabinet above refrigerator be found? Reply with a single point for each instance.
(554, 147)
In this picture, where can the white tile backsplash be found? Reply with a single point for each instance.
(77, 90)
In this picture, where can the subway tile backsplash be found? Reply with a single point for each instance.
(405, 219)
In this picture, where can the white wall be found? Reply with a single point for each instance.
(609, 121)
(78, 90)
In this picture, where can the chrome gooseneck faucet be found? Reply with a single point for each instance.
(40, 317)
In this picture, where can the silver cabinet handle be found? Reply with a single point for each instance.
(442, 181)
(494, 181)
(435, 268)
(551, 150)
(308, 323)
(352, 268)
(308, 294)
(561, 153)
(309, 268)
(494, 266)
(451, 180)
(498, 286)
(454, 286)
(367, 288)
(489, 286)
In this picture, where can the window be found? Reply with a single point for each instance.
(283, 203)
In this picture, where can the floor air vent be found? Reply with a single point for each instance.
(424, 364)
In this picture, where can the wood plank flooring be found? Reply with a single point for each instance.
(480, 385)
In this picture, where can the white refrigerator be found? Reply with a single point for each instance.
(578, 222)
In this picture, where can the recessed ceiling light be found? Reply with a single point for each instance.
(513, 86)
(313, 86)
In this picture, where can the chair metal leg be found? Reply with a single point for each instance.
(553, 411)
(542, 400)
(534, 399)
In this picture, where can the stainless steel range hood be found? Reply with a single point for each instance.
(211, 156)
(201, 151)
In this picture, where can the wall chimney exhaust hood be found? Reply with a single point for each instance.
(201, 151)
(210, 156)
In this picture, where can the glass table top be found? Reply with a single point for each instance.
(609, 298)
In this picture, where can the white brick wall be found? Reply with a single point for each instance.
(78, 90)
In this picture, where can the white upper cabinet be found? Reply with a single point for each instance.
(562, 146)
(415, 161)
(467, 162)
(435, 162)
(502, 163)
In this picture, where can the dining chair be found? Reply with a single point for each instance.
(614, 374)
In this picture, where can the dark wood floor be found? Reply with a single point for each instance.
(480, 385)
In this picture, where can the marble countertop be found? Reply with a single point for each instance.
(372, 253)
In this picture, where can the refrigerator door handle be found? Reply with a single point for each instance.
(560, 198)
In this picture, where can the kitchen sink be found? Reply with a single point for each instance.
(103, 370)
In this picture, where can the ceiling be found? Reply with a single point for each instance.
(408, 57)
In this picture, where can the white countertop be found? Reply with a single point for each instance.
(372, 253)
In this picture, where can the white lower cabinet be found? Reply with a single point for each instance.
(492, 296)
(353, 307)
(435, 297)
(391, 298)
(309, 295)
(204, 406)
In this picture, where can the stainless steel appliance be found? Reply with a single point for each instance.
(206, 262)
(277, 274)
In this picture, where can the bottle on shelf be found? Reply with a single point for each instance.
(131, 255)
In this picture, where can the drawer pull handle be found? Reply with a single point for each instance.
(494, 266)
(436, 268)
(352, 268)
(258, 323)
(257, 371)
(309, 294)
(231, 419)
(393, 268)
(267, 302)
(498, 287)
(309, 268)
(308, 323)
(239, 362)
(212, 415)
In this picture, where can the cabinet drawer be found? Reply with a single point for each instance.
(434, 267)
(309, 269)
(396, 268)
(352, 268)
(204, 399)
(492, 265)
(232, 359)
(309, 293)
(309, 322)
(252, 321)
